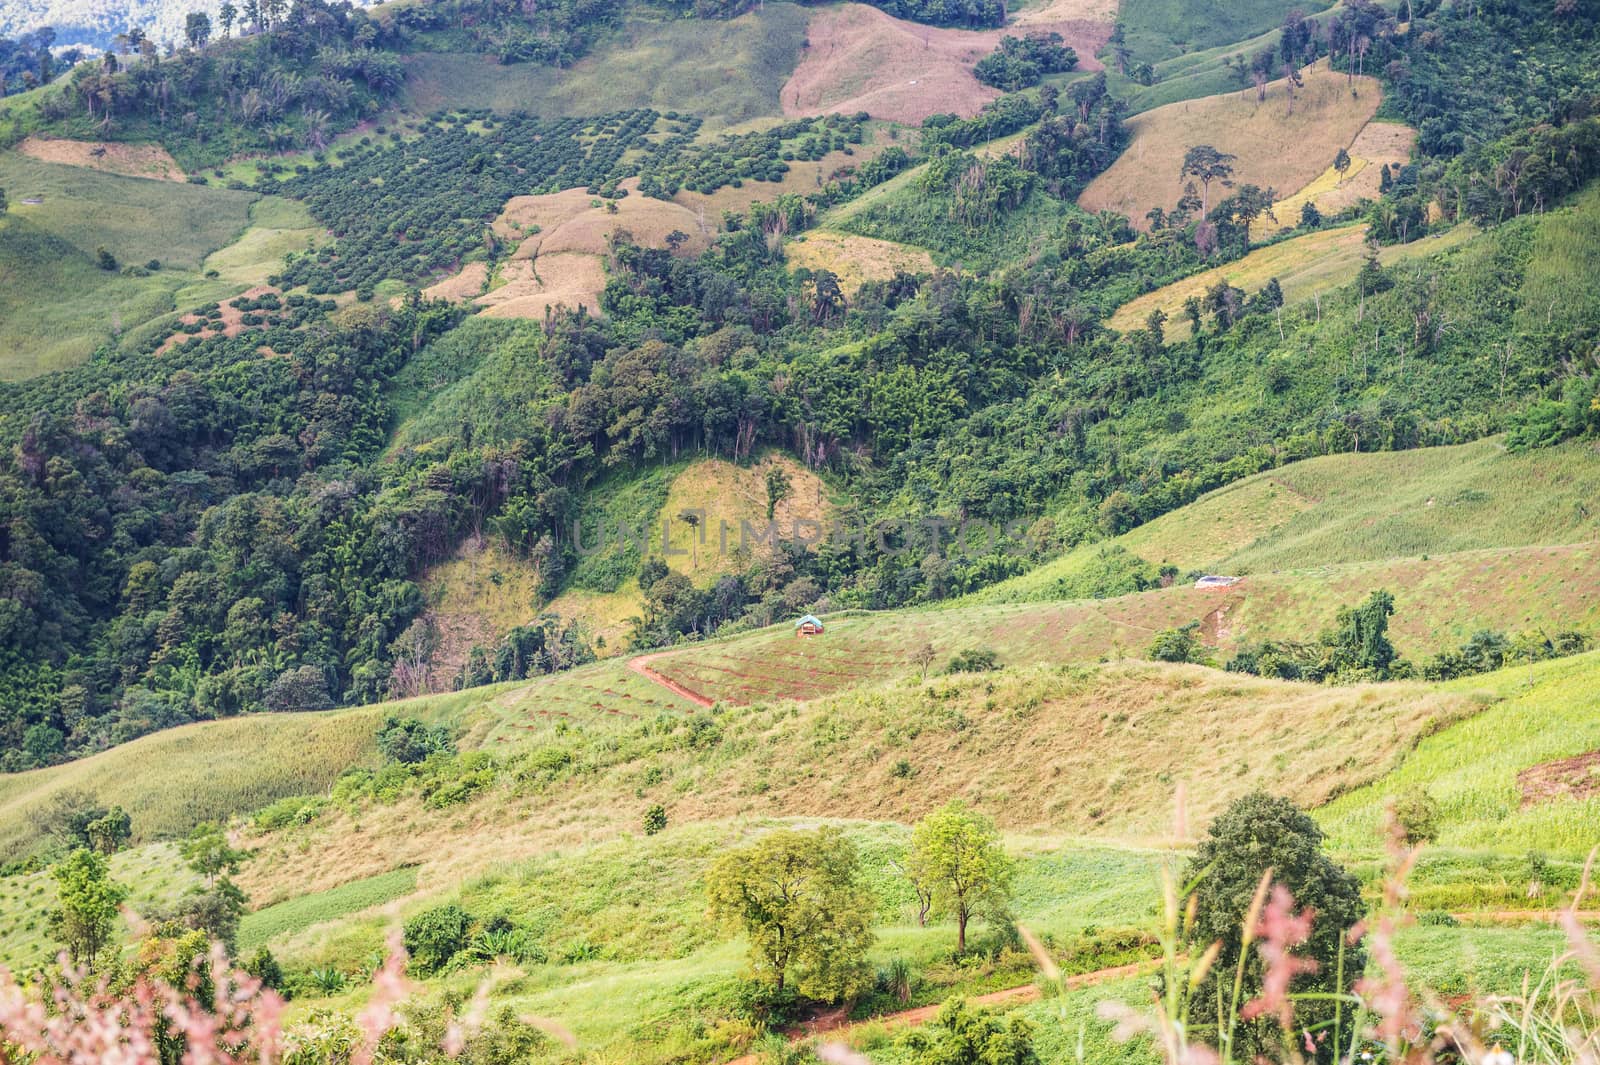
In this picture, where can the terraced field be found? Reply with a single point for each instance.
(1440, 602)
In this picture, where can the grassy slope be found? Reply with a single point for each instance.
(1363, 508)
(650, 63)
(170, 780)
(1544, 713)
(1440, 602)
(56, 305)
(1275, 148)
(1159, 28)
(1304, 266)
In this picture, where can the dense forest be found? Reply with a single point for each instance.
(209, 531)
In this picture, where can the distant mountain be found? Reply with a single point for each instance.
(96, 22)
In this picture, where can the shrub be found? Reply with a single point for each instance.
(655, 819)
(409, 741)
(1417, 814)
(974, 660)
(435, 936)
(294, 810)
(1178, 645)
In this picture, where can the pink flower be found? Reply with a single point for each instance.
(1278, 932)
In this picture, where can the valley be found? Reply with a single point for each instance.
(740, 532)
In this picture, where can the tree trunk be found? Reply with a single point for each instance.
(961, 932)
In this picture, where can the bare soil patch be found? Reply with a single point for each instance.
(641, 666)
(860, 59)
(1274, 149)
(1577, 777)
(466, 285)
(130, 160)
(575, 221)
(231, 325)
(533, 286)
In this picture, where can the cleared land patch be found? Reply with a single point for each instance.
(803, 177)
(528, 288)
(131, 160)
(56, 304)
(1275, 149)
(860, 59)
(725, 496)
(1377, 145)
(1320, 260)
(732, 69)
(561, 238)
(856, 259)
(1440, 601)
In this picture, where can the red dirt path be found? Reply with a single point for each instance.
(641, 666)
(1011, 996)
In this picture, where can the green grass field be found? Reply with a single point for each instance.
(215, 770)
(296, 915)
(649, 63)
(155, 875)
(1305, 266)
(1359, 508)
(1544, 713)
(56, 304)
(1159, 29)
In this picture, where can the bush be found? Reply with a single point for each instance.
(1417, 814)
(434, 937)
(655, 819)
(295, 810)
(974, 660)
(409, 741)
(1178, 645)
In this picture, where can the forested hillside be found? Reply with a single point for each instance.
(197, 531)
(684, 531)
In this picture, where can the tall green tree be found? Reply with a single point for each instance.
(88, 901)
(1258, 833)
(800, 900)
(110, 833)
(1359, 640)
(209, 853)
(956, 855)
(197, 29)
(1206, 164)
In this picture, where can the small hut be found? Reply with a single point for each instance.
(810, 625)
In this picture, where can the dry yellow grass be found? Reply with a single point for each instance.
(475, 598)
(529, 287)
(484, 591)
(1377, 144)
(858, 58)
(856, 259)
(575, 221)
(1274, 148)
(1104, 749)
(461, 287)
(605, 617)
(729, 495)
(1303, 266)
(131, 160)
(562, 237)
